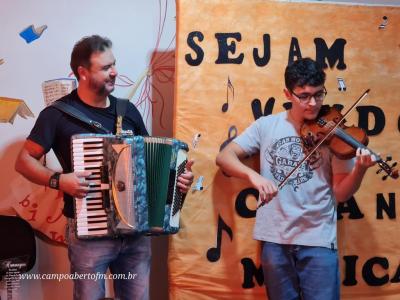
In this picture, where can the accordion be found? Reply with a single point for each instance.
(132, 186)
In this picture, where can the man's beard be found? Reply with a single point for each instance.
(100, 87)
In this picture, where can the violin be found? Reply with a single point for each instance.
(342, 140)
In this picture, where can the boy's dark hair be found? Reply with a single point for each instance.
(304, 71)
(84, 48)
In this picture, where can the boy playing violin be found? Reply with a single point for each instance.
(297, 224)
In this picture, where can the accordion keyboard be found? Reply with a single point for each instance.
(91, 216)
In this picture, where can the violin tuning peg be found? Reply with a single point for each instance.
(388, 158)
(378, 171)
(394, 164)
(385, 177)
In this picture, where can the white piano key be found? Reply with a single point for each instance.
(85, 206)
(85, 220)
(94, 225)
(93, 181)
(91, 213)
(88, 159)
(79, 165)
(86, 145)
(83, 168)
(87, 153)
(92, 232)
(93, 195)
(87, 140)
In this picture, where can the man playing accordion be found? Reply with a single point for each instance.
(93, 64)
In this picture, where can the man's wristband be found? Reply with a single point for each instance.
(54, 181)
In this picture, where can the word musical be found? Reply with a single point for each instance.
(228, 42)
(341, 84)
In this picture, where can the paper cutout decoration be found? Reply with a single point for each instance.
(10, 107)
(43, 210)
(384, 22)
(341, 84)
(199, 184)
(230, 90)
(56, 88)
(196, 140)
(30, 33)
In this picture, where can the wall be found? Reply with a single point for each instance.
(138, 29)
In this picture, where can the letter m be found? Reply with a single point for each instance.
(250, 271)
(333, 54)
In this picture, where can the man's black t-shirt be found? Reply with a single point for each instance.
(53, 130)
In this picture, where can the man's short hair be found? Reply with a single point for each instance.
(302, 72)
(84, 48)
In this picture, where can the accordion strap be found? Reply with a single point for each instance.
(77, 114)
(122, 105)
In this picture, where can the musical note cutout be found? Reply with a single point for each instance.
(214, 253)
(199, 184)
(196, 140)
(30, 33)
(341, 85)
(384, 23)
(230, 90)
(232, 133)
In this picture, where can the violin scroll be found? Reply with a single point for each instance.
(384, 167)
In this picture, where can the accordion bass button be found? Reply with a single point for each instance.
(120, 186)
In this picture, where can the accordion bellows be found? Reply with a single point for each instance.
(132, 186)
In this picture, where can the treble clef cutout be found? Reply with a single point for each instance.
(232, 133)
(214, 253)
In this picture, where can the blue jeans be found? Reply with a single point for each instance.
(294, 272)
(91, 258)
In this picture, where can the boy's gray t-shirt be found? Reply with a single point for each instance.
(304, 210)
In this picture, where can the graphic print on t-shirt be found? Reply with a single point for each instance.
(285, 154)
